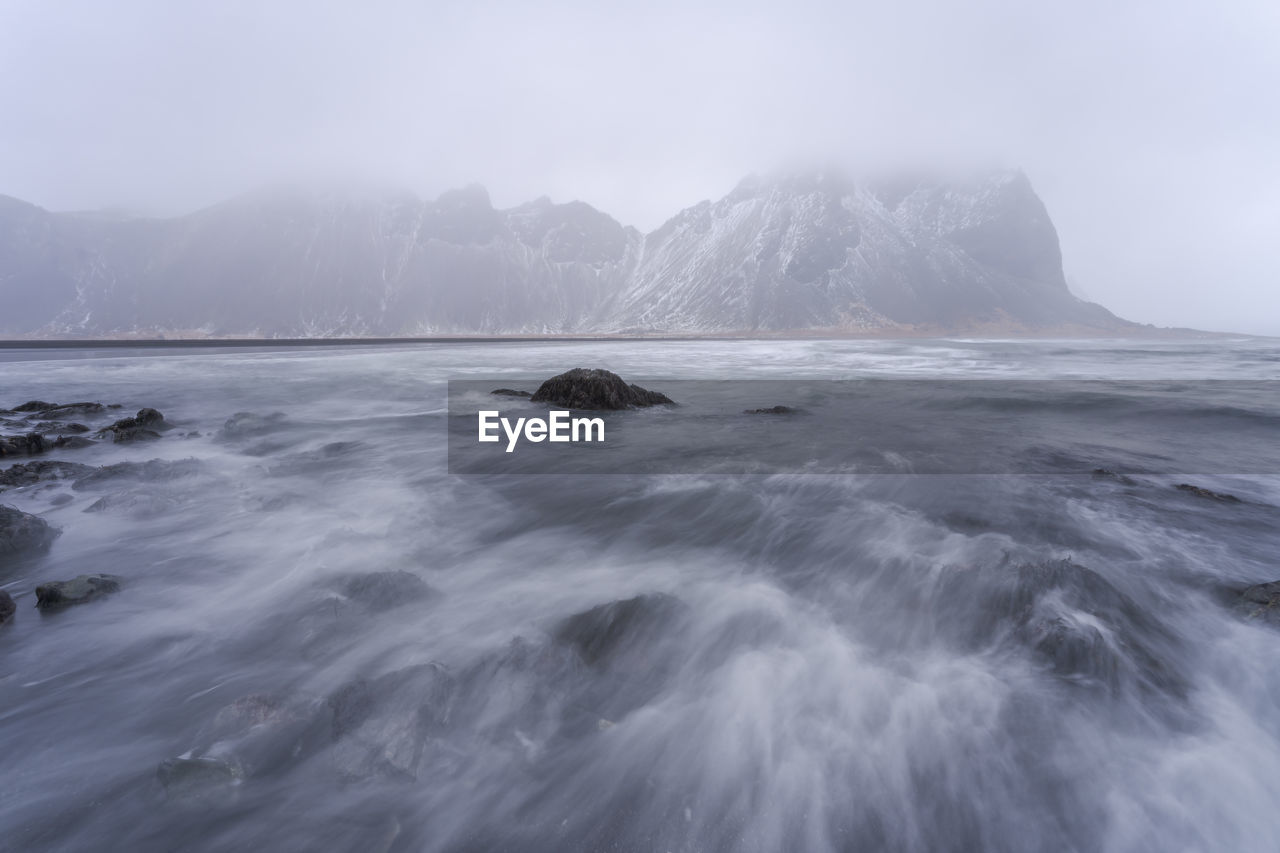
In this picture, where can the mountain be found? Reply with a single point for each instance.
(813, 251)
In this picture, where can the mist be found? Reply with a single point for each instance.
(1142, 127)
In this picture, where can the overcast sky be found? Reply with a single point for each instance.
(1150, 129)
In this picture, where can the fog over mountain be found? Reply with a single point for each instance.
(793, 252)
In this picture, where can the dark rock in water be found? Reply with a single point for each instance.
(58, 411)
(54, 426)
(27, 473)
(23, 445)
(153, 470)
(7, 607)
(143, 425)
(260, 734)
(1261, 601)
(61, 500)
(246, 424)
(206, 781)
(1199, 492)
(602, 632)
(1108, 474)
(507, 392)
(382, 727)
(385, 590)
(71, 442)
(772, 410)
(22, 533)
(85, 588)
(581, 388)
(34, 406)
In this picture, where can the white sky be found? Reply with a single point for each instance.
(1151, 130)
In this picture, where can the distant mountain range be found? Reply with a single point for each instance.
(812, 252)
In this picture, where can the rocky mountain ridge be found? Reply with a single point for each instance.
(799, 252)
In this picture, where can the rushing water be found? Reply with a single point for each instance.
(647, 663)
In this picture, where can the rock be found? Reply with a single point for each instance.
(1108, 474)
(382, 727)
(244, 424)
(153, 470)
(143, 425)
(23, 445)
(54, 426)
(7, 607)
(22, 533)
(27, 473)
(61, 500)
(71, 442)
(58, 411)
(772, 410)
(602, 632)
(1207, 494)
(507, 392)
(581, 388)
(136, 503)
(207, 781)
(85, 588)
(385, 590)
(1261, 601)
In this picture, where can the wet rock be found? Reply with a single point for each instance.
(1074, 621)
(61, 500)
(581, 388)
(52, 595)
(54, 426)
(151, 471)
(7, 607)
(385, 590)
(72, 442)
(137, 503)
(60, 411)
(142, 426)
(247, 424)
(1108, 474)
(44, 470)
(601, 633)
(508, 392)
(206, 781)
(1199, 492)
(382, 727)
(1261, 601)
(772, 410)
(23, 533)
(23, 445)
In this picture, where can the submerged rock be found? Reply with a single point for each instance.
(1108, 474)
(44, 470)
(22, 532)
(581, 388)
(772, 410)
(385, 590)
(153, 470)
(7, 607)
(51, 595)
(1261, 601)
(507, 392)
(143, 425)
(382, 727)
(245, 424)
(1206, 493)
(602, 632)
(208, 781)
